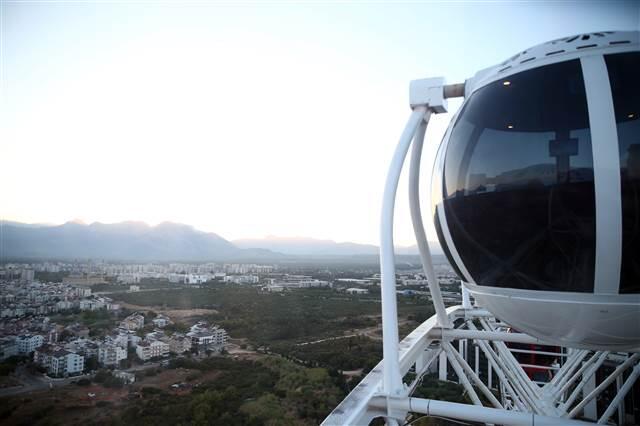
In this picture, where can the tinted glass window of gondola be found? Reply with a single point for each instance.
(518, 182)
(624, 72)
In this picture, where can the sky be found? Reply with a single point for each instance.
(242, 118)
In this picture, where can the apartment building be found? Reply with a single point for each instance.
(59, 362)
(179, 343)
(147, 350)
(133, 322)
(110, 354)
(204, 337)
(27, 343)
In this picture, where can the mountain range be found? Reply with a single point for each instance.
(164, 242)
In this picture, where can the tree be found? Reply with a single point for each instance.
(91, 364)
(101, 375)
(207, 407)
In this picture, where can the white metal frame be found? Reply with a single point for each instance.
(606, 170)
(522, 401)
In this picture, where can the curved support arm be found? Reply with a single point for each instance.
(418, 226)
(392, 378)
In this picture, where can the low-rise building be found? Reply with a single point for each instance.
(134, 321)
(83, 279)
(126, 377)
(196, 278)
(129, 278)
(147, 350)
(214, 336)
(91, 304)
(82, 291)
(161, 321)
(357, 291)
(85, 347)
(110, 354)
(27, 343)
(64, 305)
(241, 279)
(65, 363)
(59, 362)
(179, 343)
(121, 338)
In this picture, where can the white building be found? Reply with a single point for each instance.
(161, 321)
(28, 343)
(147, 350)
(313, 283)
(63, 305)
(59, 362)
(357, 291)
(84, 347)
(27, 275)
(91, 304)
(179, 343)
(82, 292)
(134, 288)
(126, 377)
(196, 279)
(66, 363)
(112, 306)
(176, 278)
(129, 278)
(299, 281)
(208, 337)
(241, 279)
(134, 321)
(274, 288)
(110, 354)
(121, 338)
(356, 281)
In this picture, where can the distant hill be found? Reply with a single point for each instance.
(301, 246)
(118, 241)
(127, 241)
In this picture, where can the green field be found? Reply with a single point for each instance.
(295, 316)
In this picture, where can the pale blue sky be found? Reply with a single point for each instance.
(246, 120)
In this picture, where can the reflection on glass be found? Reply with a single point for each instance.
(624, 69)
(518, 182)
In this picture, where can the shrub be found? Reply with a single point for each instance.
(150, 372)
(101, 376)
(113, 382)
(149, 391)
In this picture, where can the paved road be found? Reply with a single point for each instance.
(37, 382)
(34, 382)
(370, 332)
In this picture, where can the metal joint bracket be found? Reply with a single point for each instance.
(428, 92)
(395, 409)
